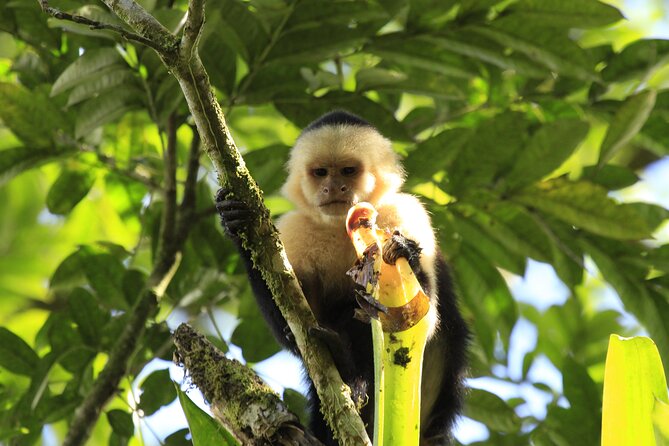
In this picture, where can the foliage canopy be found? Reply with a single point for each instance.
(520, 122)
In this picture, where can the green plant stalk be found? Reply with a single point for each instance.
(401, 384)
(635, 391)
(399, 335)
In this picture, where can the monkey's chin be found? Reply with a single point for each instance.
(335, 212)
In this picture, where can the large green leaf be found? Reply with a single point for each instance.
(487, 296)
(546, 150)
(491, 410)
(488, 153)
(587, 206)
(115, 76)
(85, 66)
(69, 189)
(16, 160)
(31, 115)
(157, 391)
(203, 428)
(104, 109)
(636, 60)
(634, 379)
(562, 13)
(88, 315)
(651, 308)
(548, 47)
(16, 355)
(626, 123)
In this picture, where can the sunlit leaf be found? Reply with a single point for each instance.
(546, 150)
(633, 380)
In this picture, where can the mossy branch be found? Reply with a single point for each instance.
(238, 398)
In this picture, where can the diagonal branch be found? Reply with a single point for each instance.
(261, 238)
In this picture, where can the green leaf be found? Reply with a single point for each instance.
(84, 66)
(587, 206)
(491, 410)
(420, 54)
(203, 428)
(255, 340)
(584, 400)
(487, 296)
(546, 150)
(121, 423)
(649, 307)
(633, 380)
(31, 115)
(488, 153)
(297, 404)
(627, 122)
(435, 153)
(16, 355)
(267, 166)
(157, 391)
(103, 80)
(88, 316)
(550, 48)
(661, 422)
(563, 13)
(105, 108)
(241, 29)
(636, 60)
(68, 190)
(16, 160)
(475, 234)
(610, 176)
(105, 274)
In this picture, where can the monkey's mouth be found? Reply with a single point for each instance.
(336, 202)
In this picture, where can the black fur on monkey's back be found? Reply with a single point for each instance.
(349, 338)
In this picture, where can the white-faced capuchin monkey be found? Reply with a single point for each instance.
(338, 161)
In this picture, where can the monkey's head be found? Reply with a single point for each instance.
(338, 161)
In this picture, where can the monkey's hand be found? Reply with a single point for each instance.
(400, 246)
(235, 214)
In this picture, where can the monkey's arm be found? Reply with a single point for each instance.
(235, 215)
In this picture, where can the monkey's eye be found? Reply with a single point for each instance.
(348, 171)
(320, 172)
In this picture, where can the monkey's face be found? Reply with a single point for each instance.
(335, 187)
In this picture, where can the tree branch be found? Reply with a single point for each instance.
(238, 398)
(261, 238)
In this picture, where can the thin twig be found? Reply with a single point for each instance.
(94, 24)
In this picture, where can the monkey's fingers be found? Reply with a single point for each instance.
(398, 246)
